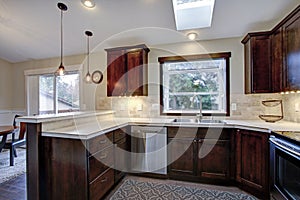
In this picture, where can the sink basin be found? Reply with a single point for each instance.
(203, 121)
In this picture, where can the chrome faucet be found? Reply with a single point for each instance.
(200, 116)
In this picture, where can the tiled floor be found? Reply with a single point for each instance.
(15, 189)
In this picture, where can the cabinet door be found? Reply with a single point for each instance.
(182, 162)
(292, 53)
(253, 162)
(214, 159)
(121, 160)
(259, 64)
(116, 70)
(135, 76)
(277, 60)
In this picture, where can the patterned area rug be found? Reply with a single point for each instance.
(8, 172)
(135, 190)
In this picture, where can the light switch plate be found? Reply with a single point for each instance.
(233, 106)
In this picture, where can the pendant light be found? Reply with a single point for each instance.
(88, 78)
(61, 69)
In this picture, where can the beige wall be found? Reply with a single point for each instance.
(94, 96)
(6, 85)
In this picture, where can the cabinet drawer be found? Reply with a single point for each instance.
(182, 132)
(100, 161)
(214, 133)
(101, 185)
(100, 142)
(119, 134)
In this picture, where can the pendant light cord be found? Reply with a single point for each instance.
(61, 38)
(88, 54)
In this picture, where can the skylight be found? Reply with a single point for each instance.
(193, 14)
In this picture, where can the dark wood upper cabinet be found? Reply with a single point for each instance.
(127, 69)
(272, 58)
(291, 42)
(277, 60)
(258, 72)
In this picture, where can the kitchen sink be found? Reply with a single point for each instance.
(203, 121)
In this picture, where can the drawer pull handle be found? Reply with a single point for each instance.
(103, 141)
(103, 156)
(104, 180)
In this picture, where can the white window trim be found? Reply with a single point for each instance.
(221, 92)
(225, 70)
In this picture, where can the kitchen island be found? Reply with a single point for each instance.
(63, 151)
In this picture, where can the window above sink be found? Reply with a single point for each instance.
(194, 83)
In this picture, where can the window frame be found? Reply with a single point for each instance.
(56, 109)
(196, 57)
(44, 71)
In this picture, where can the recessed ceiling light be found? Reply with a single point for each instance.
(192, 36)
(88, 3)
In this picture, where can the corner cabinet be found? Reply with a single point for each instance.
(127, 71)
(272, 57)
(258, 73)
(252, 162)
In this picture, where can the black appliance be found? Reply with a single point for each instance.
(285, 165)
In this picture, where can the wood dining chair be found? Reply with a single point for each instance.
(13, 143)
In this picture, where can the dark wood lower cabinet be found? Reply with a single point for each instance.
(238, 158)
(203, 159)
(84, 169)
(101, 185)
(252, 162)
(80, 169)
(181, 156)
(214, 159)
(121, 158)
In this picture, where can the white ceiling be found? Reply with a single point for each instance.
(30, 29)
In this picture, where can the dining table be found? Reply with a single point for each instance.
(4, 131)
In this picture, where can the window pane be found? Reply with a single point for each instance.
(195, 81)
(68, 92)
(192, 102)
(46, 94)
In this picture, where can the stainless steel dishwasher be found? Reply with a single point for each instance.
(149, 149)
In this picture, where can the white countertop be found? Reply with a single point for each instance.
(62, 116)
(92, 129)
(96, 127)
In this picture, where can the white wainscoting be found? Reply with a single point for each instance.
(7, 116)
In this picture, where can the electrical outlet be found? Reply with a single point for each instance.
(139, 107)
(233, 106)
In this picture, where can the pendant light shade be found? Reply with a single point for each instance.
(61, 69)
(88, 78)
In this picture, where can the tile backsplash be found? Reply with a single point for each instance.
(247, 106)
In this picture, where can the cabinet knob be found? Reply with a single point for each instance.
(104, 180)
(103, 156)
(103, 141)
